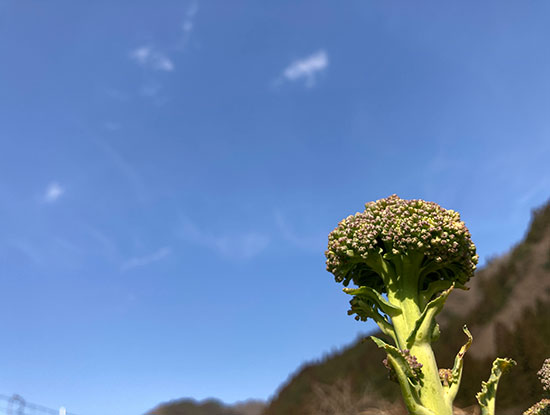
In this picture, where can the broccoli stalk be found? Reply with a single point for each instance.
(405, 257)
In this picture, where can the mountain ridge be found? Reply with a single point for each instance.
(209, 406)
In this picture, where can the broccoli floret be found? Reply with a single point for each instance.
(446, 376)
(540, 408)
(544, 375)
(415, 367)
(543, 406)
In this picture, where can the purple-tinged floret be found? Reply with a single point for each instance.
(394, 228)
(446, 376)
(540, 408)
(544, 375)
(414, 365)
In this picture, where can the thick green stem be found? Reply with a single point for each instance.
(432, 394)
(404, 294)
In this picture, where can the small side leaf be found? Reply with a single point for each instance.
(365, 310)
(436, 333)
(433, 288)
(405, 376)
(395, 353)
(457, 368)
(424, 327)
(459, 359)
(376, 298)
(487, 396)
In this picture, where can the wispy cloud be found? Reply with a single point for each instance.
(240, 246)
(151, 58)
(116, 94)
(141, 261)
(48, 250)
(151, 89)
(108, 246)
(127, 169)
(188, 24)
(540, 188)
(154, 91)
(310, 243)
(306, 69)
(111, 126)
(53, 192)
(159, 59)
(28, 250)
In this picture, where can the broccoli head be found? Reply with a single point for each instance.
(393, 229)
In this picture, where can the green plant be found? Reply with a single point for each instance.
(405, 257)
(543, 406)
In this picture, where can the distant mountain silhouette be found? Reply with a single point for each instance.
(208, 407)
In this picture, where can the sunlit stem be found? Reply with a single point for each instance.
(403, 292)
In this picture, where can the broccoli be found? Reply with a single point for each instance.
(405, 257)
(544, 376)
(540, 408)
(543, 406)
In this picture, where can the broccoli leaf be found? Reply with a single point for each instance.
(376, 298)
(487, 396)
(452, 390)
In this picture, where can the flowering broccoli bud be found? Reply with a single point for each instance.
(540, 408)
(395, 227)
(544, 375)
(446, 376)
(415, 367)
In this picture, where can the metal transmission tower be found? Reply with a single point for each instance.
(16, 405)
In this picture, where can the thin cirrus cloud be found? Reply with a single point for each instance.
(127, 170)
(236, 246)
(310, 243)
(141, 261)
(189, 21)
(540, 188)
(306, 69)
(27, 249)
(188, 24)
(53, 192)
(150, 89)
(150, 58)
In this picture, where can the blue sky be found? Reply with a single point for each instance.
(169, 172)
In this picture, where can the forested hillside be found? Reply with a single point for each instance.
(207, 407)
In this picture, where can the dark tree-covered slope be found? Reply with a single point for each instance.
(207, 407)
